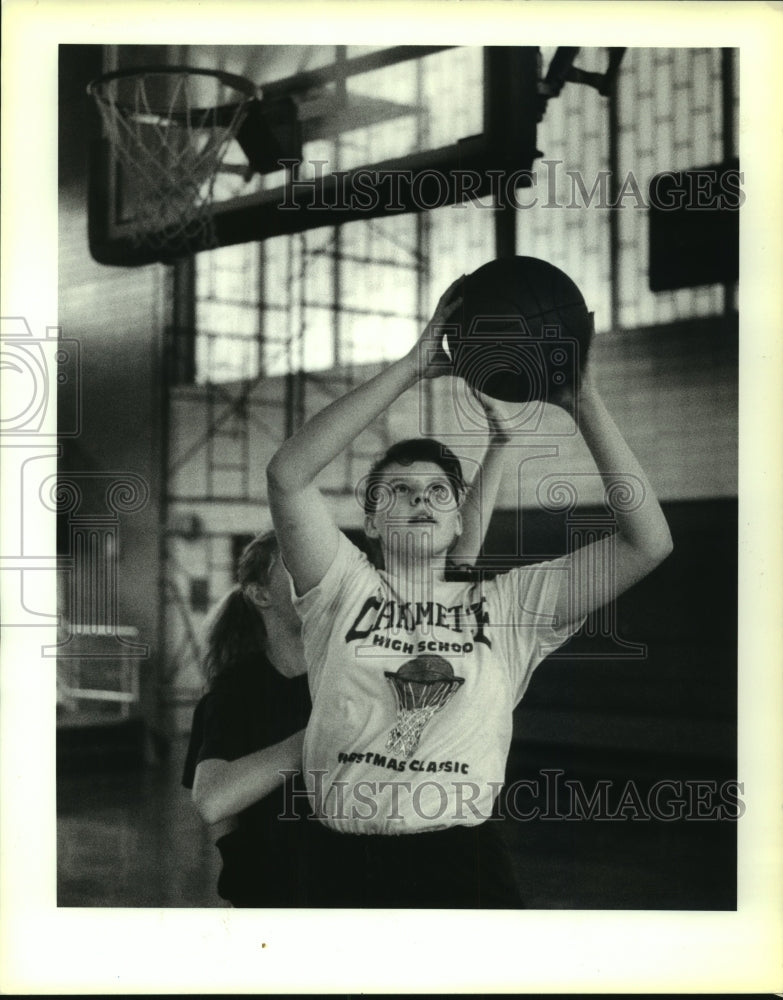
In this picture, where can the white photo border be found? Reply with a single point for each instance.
(44, 949)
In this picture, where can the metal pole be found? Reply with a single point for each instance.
(614, 215)
(727, 57)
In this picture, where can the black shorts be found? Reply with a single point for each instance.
(459, 868)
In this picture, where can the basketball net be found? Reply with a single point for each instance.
(170, 148)
(417, 702)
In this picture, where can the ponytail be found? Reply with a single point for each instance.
(236, 634)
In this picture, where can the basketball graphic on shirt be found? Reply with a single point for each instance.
(422, 687)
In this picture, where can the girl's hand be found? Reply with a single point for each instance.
(432, 359)
(498, 435)
(581, 387)
(567, 399)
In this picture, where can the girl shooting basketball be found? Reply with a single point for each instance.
(386, 754)
(248, 728)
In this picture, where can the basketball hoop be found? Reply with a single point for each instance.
(417, 701)
(170, 127)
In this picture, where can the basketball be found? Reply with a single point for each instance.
(426, 669)
(522, 330)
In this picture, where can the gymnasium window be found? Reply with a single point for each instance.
(670, 115)
(358, 294)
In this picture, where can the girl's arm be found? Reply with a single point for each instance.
(603, 570)
(482, 493)
(305, 529)
(223, 788)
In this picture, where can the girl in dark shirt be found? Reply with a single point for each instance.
(247, 732)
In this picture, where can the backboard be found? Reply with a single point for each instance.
(339, 133)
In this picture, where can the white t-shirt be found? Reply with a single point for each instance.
(372, 765)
